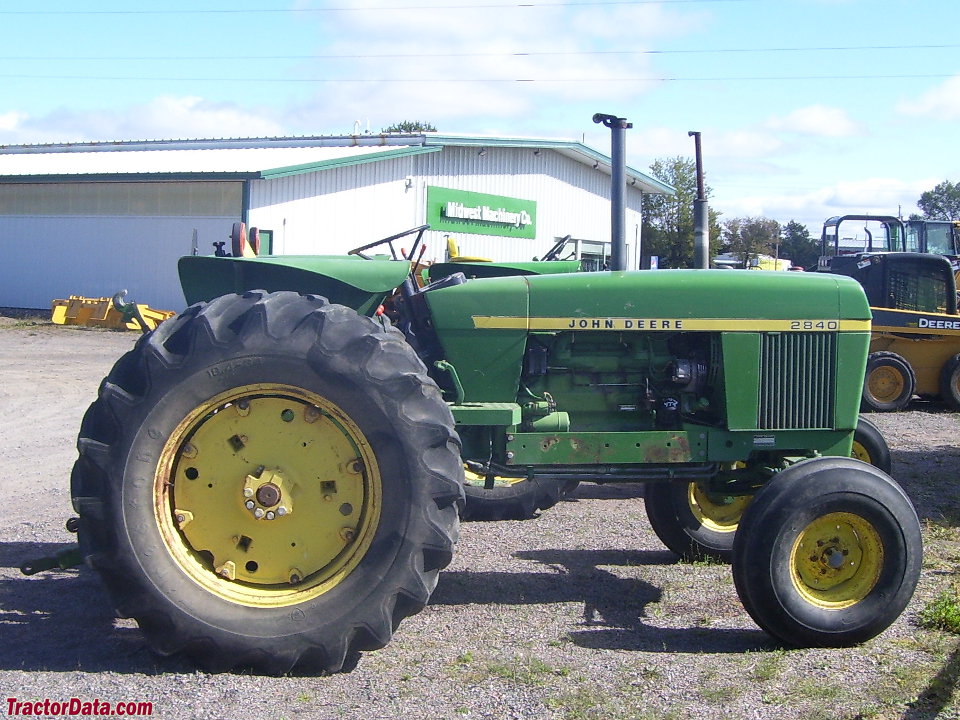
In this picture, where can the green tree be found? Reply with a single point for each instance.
(750, 236)
(941, 203)
(409, 126)
(667, 225)
(797, 246)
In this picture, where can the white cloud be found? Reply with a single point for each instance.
(812, 205)
(10, 121)
(816, 120)
(450, 66)
(163, 117)
(940, 103)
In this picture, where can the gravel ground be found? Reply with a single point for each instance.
(579, 613)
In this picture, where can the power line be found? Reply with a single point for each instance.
(547, 53)
(458, 80)
(379, 8)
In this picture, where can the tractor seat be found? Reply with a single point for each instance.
(454, 252)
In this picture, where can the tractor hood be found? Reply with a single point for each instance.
(483, 324)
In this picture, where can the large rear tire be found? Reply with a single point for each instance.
(268, 481)
(828, 554)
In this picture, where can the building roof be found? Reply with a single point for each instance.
(253, 158)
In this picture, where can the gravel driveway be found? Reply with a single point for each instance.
(580, 613)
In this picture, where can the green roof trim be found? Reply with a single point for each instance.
(345, 162)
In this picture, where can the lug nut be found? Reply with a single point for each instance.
(250, 504)
(270, 515)
(258, 513)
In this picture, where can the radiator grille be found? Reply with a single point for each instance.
(797, 374)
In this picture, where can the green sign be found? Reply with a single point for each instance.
(480, 214)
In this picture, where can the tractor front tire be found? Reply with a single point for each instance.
(828, 553)
(889, 383)
(268, 481)
(870, 446)
(692, 522)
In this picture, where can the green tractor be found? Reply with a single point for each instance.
(275, 477)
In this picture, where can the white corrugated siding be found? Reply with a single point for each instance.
(322, 212)
(331, 211)
(45, 258)
(572, 199)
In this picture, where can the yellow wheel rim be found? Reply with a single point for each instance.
(860, 452)
(267, 495)
(837, 560)
(886, 383)
(478, 480)
(720, 514)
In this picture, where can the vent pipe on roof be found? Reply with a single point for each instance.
(618, 180)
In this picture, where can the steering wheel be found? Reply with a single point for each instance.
(389, 241)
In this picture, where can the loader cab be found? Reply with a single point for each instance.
(919, 282)
(933, 236)
(846, 235)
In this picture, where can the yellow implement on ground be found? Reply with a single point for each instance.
(106, 313)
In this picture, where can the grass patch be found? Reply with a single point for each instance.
(943, 612)
(768, 666)
(529, 671)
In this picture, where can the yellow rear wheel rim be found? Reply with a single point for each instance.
(837, 560)
(267, 495)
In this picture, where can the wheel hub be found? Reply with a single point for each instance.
(272, 492)
(263, 492)
(886, 384)
(837, 560)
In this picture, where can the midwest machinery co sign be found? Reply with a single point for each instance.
(480, 214)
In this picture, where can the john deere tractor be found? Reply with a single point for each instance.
(274, 477)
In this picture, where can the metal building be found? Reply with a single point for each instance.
(94, 218)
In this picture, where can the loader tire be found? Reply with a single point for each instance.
(511, 498)
(950, 382)
(268, 481)
(889, 383)
(828, 553)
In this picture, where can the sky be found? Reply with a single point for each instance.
(807, 108)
